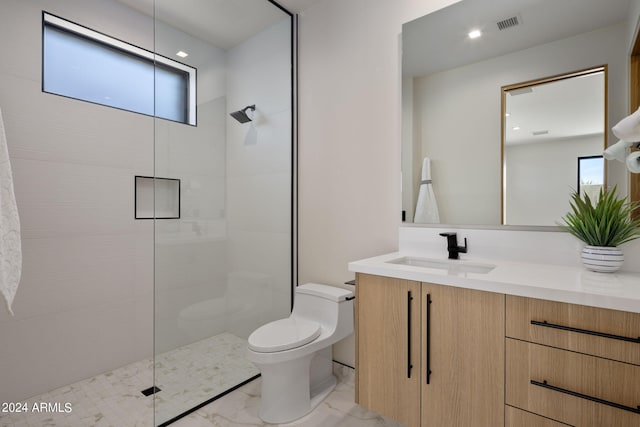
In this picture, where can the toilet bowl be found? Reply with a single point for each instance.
(294, 354)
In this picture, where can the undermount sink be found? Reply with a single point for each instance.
(451, 265)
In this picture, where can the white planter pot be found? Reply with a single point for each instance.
(602, 259)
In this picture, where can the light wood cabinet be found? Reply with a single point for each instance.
(464, 350)
(600, 332)
(388, 347)
(429, 355)
(515, 417)
(575, 364)
(438, 356)
(577, 389)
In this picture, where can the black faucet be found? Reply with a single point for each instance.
(452, 245)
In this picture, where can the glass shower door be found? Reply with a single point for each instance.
(223, 264)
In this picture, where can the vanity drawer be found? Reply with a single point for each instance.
(515, 417)
(577, 389)
(601, 332)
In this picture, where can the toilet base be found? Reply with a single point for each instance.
(321, 391)
(289, 392)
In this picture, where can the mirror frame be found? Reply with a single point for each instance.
(536, 82)
(634, 104)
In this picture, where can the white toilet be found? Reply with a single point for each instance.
(294, 354)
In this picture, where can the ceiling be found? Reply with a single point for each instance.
(438, 41)
(222, 23)
(563, 109)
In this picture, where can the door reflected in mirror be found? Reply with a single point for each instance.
(549, 125)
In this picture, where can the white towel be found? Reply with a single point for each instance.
(426, 207)
(10, 244)
(628, 129)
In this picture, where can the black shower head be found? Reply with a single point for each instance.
(241, 115)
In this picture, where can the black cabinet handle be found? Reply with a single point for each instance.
(428, 329)
(409, 364)
(584, 331)
(587, 397)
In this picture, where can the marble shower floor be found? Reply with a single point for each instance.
(186, 376)
(114, 399)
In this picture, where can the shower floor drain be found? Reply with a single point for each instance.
(151, 390)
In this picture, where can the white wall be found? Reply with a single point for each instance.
(632, 23)
(349, 141)
(446, 122)
(85, 303)
(411, 172)
(542, 176)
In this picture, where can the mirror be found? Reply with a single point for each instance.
(452, 98)
(552, 142)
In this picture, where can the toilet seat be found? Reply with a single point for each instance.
(283, 334)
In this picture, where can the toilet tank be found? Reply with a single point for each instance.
(329, 305)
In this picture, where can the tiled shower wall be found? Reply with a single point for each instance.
(84, 305)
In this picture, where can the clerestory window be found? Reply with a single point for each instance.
(84, 64)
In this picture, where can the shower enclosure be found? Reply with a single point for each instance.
(223, 258)
(155, 239)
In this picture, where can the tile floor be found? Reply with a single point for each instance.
(114, 399)
(197, 372)
(240, 408)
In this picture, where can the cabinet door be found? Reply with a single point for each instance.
(388, 347)
(463, 357)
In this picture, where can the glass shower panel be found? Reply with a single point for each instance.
(224, 266)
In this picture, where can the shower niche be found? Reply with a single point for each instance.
(157, 198)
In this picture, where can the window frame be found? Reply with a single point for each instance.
(579, 171)
(128, 49)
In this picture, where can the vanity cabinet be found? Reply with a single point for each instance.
(388, 347)
(574, 364)
(429, 355)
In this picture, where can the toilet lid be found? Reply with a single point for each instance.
(283, 334)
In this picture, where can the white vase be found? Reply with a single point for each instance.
(602, 259)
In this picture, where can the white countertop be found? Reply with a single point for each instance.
(575, 285)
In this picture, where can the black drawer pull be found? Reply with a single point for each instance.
(585, 331)
(409, 364)
(587, 397)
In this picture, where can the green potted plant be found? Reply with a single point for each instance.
(603, 227)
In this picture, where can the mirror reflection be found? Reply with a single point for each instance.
(553, 132)
(452, 100)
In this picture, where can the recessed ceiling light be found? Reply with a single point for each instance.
(516, 128)
(474, 34)
(182, 54)
(507, 114)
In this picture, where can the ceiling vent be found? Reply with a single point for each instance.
(540, 132)
(520, 91)
(509, 22)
